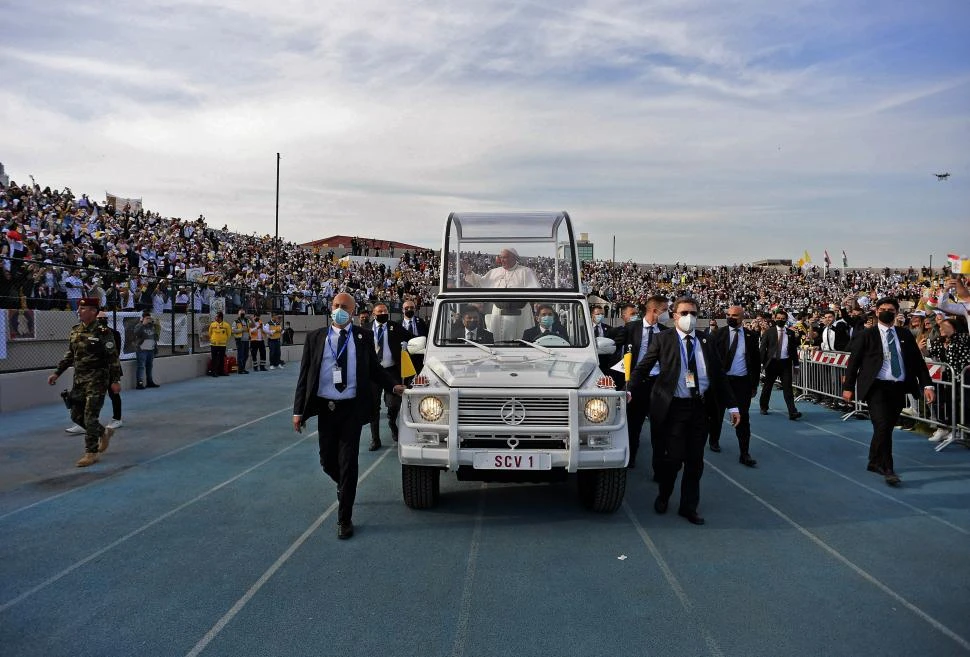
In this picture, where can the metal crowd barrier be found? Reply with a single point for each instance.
(821, 374)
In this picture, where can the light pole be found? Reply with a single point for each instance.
(276, 241)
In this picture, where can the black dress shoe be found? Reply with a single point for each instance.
(140, 386)
(691, 516)
(764, 411)
(795, 415)
(715, 447)
(374, 446)
(152, 384)
(892, 478)
(745, 459)
(345, 529)
(660, 505)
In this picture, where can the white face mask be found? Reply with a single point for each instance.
(664, 316)
(686, 323)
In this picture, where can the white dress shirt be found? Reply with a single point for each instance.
(326, 388)
(739, 366)
(886, 372)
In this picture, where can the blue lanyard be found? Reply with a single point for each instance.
(336, 354)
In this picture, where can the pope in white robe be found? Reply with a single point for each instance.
(507, 321)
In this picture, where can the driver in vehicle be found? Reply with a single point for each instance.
(471, 327)
(547, 324)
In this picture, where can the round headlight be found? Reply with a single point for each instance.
(431, 409)
(597, 410)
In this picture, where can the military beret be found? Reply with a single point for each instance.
(89, 302)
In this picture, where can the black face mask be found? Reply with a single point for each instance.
(382, 318)
(780, 323)
(733, 322)
(887, 317)
(471, 326)
(409, 313)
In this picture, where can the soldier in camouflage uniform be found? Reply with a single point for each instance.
(94, 355)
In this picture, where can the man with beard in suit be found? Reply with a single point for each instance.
(885, 365)
(338, 365)
(388, 337)
(737, 349)
(689, 372)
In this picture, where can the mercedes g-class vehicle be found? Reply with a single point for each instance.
(511, 389)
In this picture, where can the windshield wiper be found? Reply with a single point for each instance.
(545, 350)
(487, 350)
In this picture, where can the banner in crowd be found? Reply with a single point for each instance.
(127, 321)
(119, 202)
(958, 265)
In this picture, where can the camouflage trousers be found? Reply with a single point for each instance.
(86, 403)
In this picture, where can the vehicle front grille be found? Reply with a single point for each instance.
(514, 411)
(531, 441)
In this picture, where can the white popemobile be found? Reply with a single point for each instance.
(511, 389)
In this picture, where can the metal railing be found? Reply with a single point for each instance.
(822, 372)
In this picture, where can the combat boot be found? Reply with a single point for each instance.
(105, 439)
(89, 458)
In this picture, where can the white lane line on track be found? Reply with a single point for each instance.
(861, 442)
(152, 460)
(935, 624)
(464, 613)
(878, 492)
(265, 577)
(685, 602)
(94, 555)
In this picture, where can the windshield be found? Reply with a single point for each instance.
(516, 251)
(550, 323)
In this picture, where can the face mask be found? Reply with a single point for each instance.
(780, 323)
(382, 318)
(546, 321)
(634, 318)
(887, 317)
(686, 323)
(341, 316)
(471, 326)
(664, 316)
(597, 319)
(733, 322)
(409, 313)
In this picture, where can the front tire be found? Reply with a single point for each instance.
(602, 490)
(421, 486)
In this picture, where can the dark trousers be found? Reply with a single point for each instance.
(741, 389)
(257, 348)
(773, 370)
(218, 356)
(886, 400)
(637, 411)
(274, 353)
(115, 404)
(391, 401)
(242, 353)
(682, 436)
(339, 438)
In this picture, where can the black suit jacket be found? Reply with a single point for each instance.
(665, 349)
(769, 344)
(421, 326)
(533, 334)
(721, 341)
(632, 339)
(841, 338)
(396, 334)
(484, 336)
(866, 360)
(305, 400)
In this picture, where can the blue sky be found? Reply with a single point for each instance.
(700, 131)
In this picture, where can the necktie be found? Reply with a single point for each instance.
(732, 350)
(692, 366)
(781, 337)
(342, 360)
(646, 343)
(469, 335)
(894, 365)
(380, 343)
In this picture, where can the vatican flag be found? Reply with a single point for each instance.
(407, 367)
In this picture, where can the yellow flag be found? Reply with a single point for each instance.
(807, 257)
(407, 367)
(627, 364)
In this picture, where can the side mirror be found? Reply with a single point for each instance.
(605, 346)
(417, 345)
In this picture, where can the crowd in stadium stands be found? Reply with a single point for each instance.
(57, 247)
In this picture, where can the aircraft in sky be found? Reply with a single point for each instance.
(942, 176)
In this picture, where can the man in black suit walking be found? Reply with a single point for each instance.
(738, 351)
(637, 336)
(779, 355)
(338, 365)
(689, 372)
(388, 337)
(885, 365)
(416, 327)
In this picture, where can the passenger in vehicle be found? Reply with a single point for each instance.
(509, 274)
(471, 327)
(547, 324)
